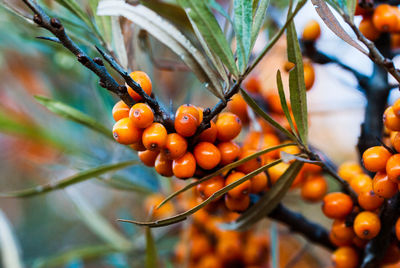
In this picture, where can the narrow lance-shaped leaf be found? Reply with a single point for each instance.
(258, 19)
(79, 177)
(151, 250)
(297, 87)
(243, 24)
(284, 105)
(351, 8)
(9, 249)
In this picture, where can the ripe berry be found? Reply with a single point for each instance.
(396, 108)
(259, 183)
(311, 168)
(276, 171)
(144, 81)
(154, 137)
(209, 187)
(392, 255)
(361, 183)
(209, 134)
(274, 102)
(163, 165)
(175, 146)
(384, 19)
(210, 261)
(396, 141)
(141, 115)
(345, 257)
(375, 158)
(242, 189)
(148, 157)
(339, 242)
(337, 205)
(138, 146)
(151, 203)
(120, 110)
(237, 205)
(314, 188)
(125, 133)
(228, 126)
(249, 165)
(384, 187)
(349, 170)
(367, 225)
(390, 120)
(184, 166)
(186, 124)
(397, 229)
(369, 200)
(199, 246)
(252, 84)
(309, 75)
(311, 31)
(342, 231)
(207, 155)
(393, 168)
(189, 109)
(367, 28)
(238, 106)
(269, 140)
(230, 152)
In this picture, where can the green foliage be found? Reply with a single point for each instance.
(243, 28)
(151, 250)
(283, 102)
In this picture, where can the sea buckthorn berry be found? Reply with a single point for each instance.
(209, 187)
(163, 165)
(314, 188)
(396, 141)
(337, 205)
(252, 141)
(138, 146)
(397, 229)
(238, 106)
(395, 41)
(184, 166)
(375, 158)
(120, 110)
(361, 183)
(176, 146)
(209, 134)
(210, 261)
(242, 189)
(151, 203)
(345, 257)
(267, 141)
(349, 170)
(274, 102)
(288, 66)
(207, 155)
(342, 231)
(249, 165)
(384, 18)
(148, 157)
(311, 168)
(392, 255)
(309, 75)
(311, 31)
(339, 242)
(154, 137)
(189, 109)
(199, 246)
(393, 168)
(291, 149)
(201, 115)
(125, 133)
(360, 243)
(396, 108)
(144, 81)
(367, 225)
(237, 204)
(390, 120)
(369, 200)
(384, 187)
(367, 28)
(230, 152)
(259, 183)
(141, 115)
(276, 171)
(252, 84)
(186, 124)
(228, 126)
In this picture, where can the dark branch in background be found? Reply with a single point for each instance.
(299, 224)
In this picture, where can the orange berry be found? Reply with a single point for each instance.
(393, 168)
(342, 231)
(309, 75)
(199, 246)
(252, 84)
(175, 146)
(360, 243)
(276, 171)
(314, 188)
(120, 110)
(200, 114)
(207, 155)
(396, 107)
(259, 183)
(249, 165)
(154, 137)
(141, 115)
(144, 81)
(360, 11)
(345, 257)
(292, 149)
(184, 166)
(395, 41)
(274, 102)
(228, 126)
(367, 225)
(209, 187)
(189, 109)
(375, 158)
(369, 200)
(151, 203)
(148, 157)
(138, 146)
(125, 132)
(367, 28)
(288, 66)
(361, 183)
(390, 120)
(384, 187)
(238, 106)
(339, 242)
(209, 134)
(267, 141)
(392, 255)
(337, 205)
(238, 205)
(230, 152)
(348, 170)
(397, 229)
(396, 141)
(252, 141)
(242, 189)
(311, 168)
(209, 261)
(384, 18)
(163, 165)
(185, 124)
(311, 31)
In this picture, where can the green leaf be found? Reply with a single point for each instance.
(77, 178)
(9, 249)
(268, 201)
(124, 184)
(243, 24)
(204, 20)
(71, 113)
(258, 19)
(265, 116)
(351, 8)
(297, 87)
(151, 250)
(283, 101)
